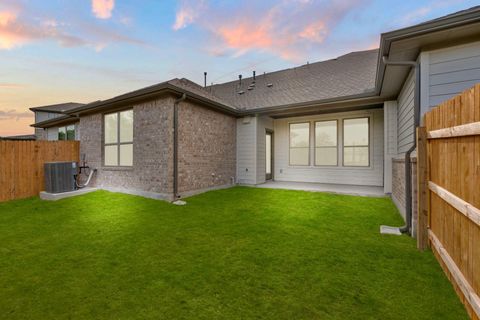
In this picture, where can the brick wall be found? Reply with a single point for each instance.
(152, 171)
(207, 148)
(398, 188)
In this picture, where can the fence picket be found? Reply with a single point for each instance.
(21, 165)
(453, 164)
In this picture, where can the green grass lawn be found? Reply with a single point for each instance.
(241, 253)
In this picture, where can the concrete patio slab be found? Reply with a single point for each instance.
(368, 191)
(57, 196)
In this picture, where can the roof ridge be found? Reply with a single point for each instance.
(295, 67)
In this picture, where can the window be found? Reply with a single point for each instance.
(326, 143)
(299, 144)
(356, 142)
(118, 139)
(66, 133)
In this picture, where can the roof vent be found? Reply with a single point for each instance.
(240, 79)
(241, 92)
(250, 88)
(254, 77)
(270, 85)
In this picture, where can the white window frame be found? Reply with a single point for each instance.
(118, 143)
(340, 142)
(315, 143)
(368, 145)
(290, 141)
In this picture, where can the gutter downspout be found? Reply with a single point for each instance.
(175, 145)
(416, 122)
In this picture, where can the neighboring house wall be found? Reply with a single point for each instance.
(43, 116)
(405, 121)
(41, 134)
(263, 124)
(447, 72)
(152, 172)
(206, 148)
(372, 175)
(52, 134)
(246, 150)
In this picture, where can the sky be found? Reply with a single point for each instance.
(86, 50)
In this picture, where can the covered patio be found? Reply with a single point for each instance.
(357, 190)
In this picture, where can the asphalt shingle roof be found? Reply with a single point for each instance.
(348, 75)
(195, 88)
(61, 107)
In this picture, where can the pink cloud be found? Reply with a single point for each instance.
(14, 33)
(102, 9)
(19, 28)
(421, 13)
(10, 85)
(11, 34)
(315, 32)
(187, 13)
(14, 114)
(286, 29)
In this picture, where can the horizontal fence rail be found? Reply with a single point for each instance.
(449, 192)
(22, 163)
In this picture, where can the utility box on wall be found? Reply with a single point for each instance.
(60, 176)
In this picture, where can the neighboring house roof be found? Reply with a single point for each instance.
(348, 75)
(58, 108)
(61, 120)
(24, 137)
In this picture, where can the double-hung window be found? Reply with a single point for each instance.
(118, 139)
(300, 144)
(356, 144)
(326, 143)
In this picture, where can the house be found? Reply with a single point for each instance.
(24, 137)
(349, 120)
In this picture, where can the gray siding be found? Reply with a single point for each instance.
(52, 134)
(43, 116)
(451, 71)
(246, 150)
(263, 123)
(405, 122)
(390, 142)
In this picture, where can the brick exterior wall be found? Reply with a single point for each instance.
(398, 189)
(152, 171)
(207, 148)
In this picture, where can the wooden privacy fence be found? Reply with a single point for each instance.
(21, 165)
(448, 168)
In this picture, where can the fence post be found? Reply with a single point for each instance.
(422, 189)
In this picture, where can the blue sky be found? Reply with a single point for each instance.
(57, 51)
